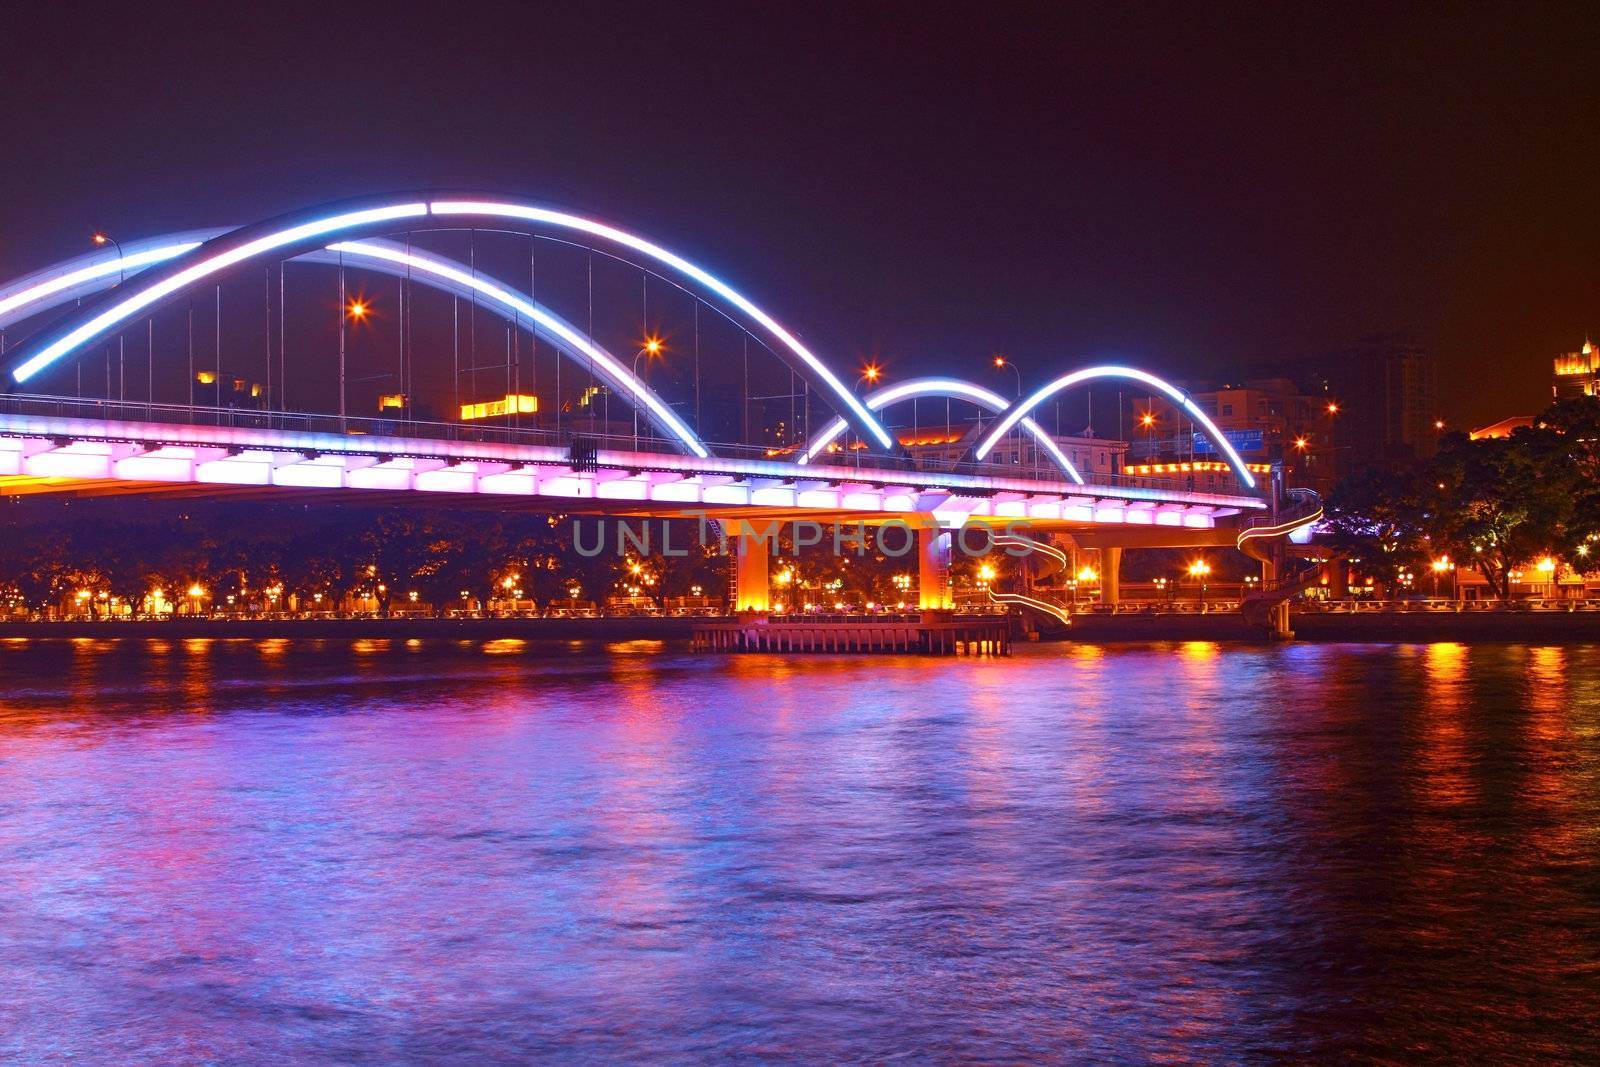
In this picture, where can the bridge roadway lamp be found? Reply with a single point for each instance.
(280, 236)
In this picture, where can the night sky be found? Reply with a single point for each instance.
(1183, 191)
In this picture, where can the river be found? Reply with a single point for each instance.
(390, 851)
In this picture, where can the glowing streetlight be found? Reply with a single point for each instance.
(1438, 424)
(1002, 361)
(1147, 420)
(358, 310)
(1301, 443)
(102, 238)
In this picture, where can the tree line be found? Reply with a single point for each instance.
(1496, 505)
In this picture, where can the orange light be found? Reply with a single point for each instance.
(1333, 408)
(1438, 424)
(101, 239)
(999, 361)
(1147, 419)
(358, 309)
(872, 372)
(652, 345)
(1300, 443)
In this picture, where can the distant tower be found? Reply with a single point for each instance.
(1577, 373)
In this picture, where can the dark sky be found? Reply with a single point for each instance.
(1180, 190)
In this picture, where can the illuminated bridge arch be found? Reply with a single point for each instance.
(1089, 374)
(954, 388)
(288, 236)
(86, 275)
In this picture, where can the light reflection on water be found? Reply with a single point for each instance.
(386, 850)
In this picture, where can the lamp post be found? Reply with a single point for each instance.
(102, 238)
(648, 351)
(1002, 361)
(1200, 569)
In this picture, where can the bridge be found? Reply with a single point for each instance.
(291, 325)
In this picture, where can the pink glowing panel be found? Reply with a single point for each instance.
(156, 467)
(1107, 514)
(1169, 518)
(510, 483)
(736, 495)
(462, 479)
(901, 500)
(862, 500)
(1077, 513)
(1140, 516)
(684, 492)
(382, 476)
(622, 489)
(773, 496)
(1198, 522)
(309, 476)
(568, 485)
(1044, 509)
(64, 464)
(235, 471)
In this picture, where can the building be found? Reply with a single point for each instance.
(1496, 431)
(1266, 420)
(1098, 459)
(1577, 373)
(1387, 390)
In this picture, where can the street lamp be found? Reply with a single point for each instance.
(102, 238)
(1002, 361)
(1200, 569)
(651, 348)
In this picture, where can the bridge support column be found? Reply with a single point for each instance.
(751, 589)
(1278, 612)
(1110, 576)
(1336, 572)
(933, 569)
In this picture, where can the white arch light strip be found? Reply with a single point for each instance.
(150, 294)
(31, 299)
(656, 252)
(952, 387)
(640, 392)
(1167, 389)
(20, 303)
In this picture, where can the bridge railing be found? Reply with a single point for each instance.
(103, 410)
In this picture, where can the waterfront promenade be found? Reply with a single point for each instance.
(1401, 622)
